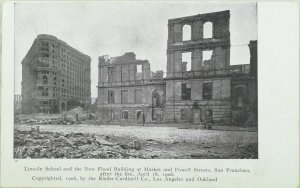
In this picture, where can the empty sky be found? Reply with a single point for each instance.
(113, 28)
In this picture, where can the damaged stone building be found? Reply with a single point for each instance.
(199, 81)
(127, 89)
(55, 77)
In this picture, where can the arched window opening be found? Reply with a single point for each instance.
(45, 80)
(157, 100)
(208, 30)
(124, 115)
(186, 33)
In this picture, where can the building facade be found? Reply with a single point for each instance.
(55, 77)
(202, 85)
(128, 90)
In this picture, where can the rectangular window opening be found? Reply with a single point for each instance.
(185, 91)
(124, 97)
(207, 58)
(138, 96)
(111, 97)
(207, 90)
(187, 61)
(111, 74)
(139, 68)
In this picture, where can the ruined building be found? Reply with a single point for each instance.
(127, 89)
(55, 77)
(208, 86)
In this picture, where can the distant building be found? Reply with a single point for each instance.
(206, 86)
(55, 77)
(18, 104)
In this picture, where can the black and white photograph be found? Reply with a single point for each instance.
(120, 80)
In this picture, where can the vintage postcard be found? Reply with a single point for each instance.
(148, 94)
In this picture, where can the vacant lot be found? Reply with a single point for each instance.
(114, 141)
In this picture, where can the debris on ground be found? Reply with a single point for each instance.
(61, 141)
(136, 145)
(73, 116)
(33, 144)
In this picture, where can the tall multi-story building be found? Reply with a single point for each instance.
(55, 77)
(200, 81)
(204, 84)
(209, 85)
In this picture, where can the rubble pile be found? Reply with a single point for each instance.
(77, 111)
(246, 151)
(40, 121)
(73, 116)
(34, 144)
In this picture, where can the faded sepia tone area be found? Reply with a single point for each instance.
(192, 95)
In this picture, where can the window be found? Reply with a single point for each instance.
(45, 55)
(157, 100)
(207, 55)
(207, 59)
(45, 93)
(111, 97)
(111, 74)
(139, 68)
(186, 32)
(138, 72)
(124, 97)
(138, 96)
(44, 46)
(187, 61)
(45, 80)
(186, 115)
(185, 92)
(208, 30)
(207, 90)
(124, 115)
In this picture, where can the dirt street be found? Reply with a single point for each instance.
(114, 141)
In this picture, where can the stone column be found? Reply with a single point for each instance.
(197, 30)
(170, 33)
(197, 61)
(118, 74)
(177, 32)
(170, 65)
(177, 61)
(146, 71)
